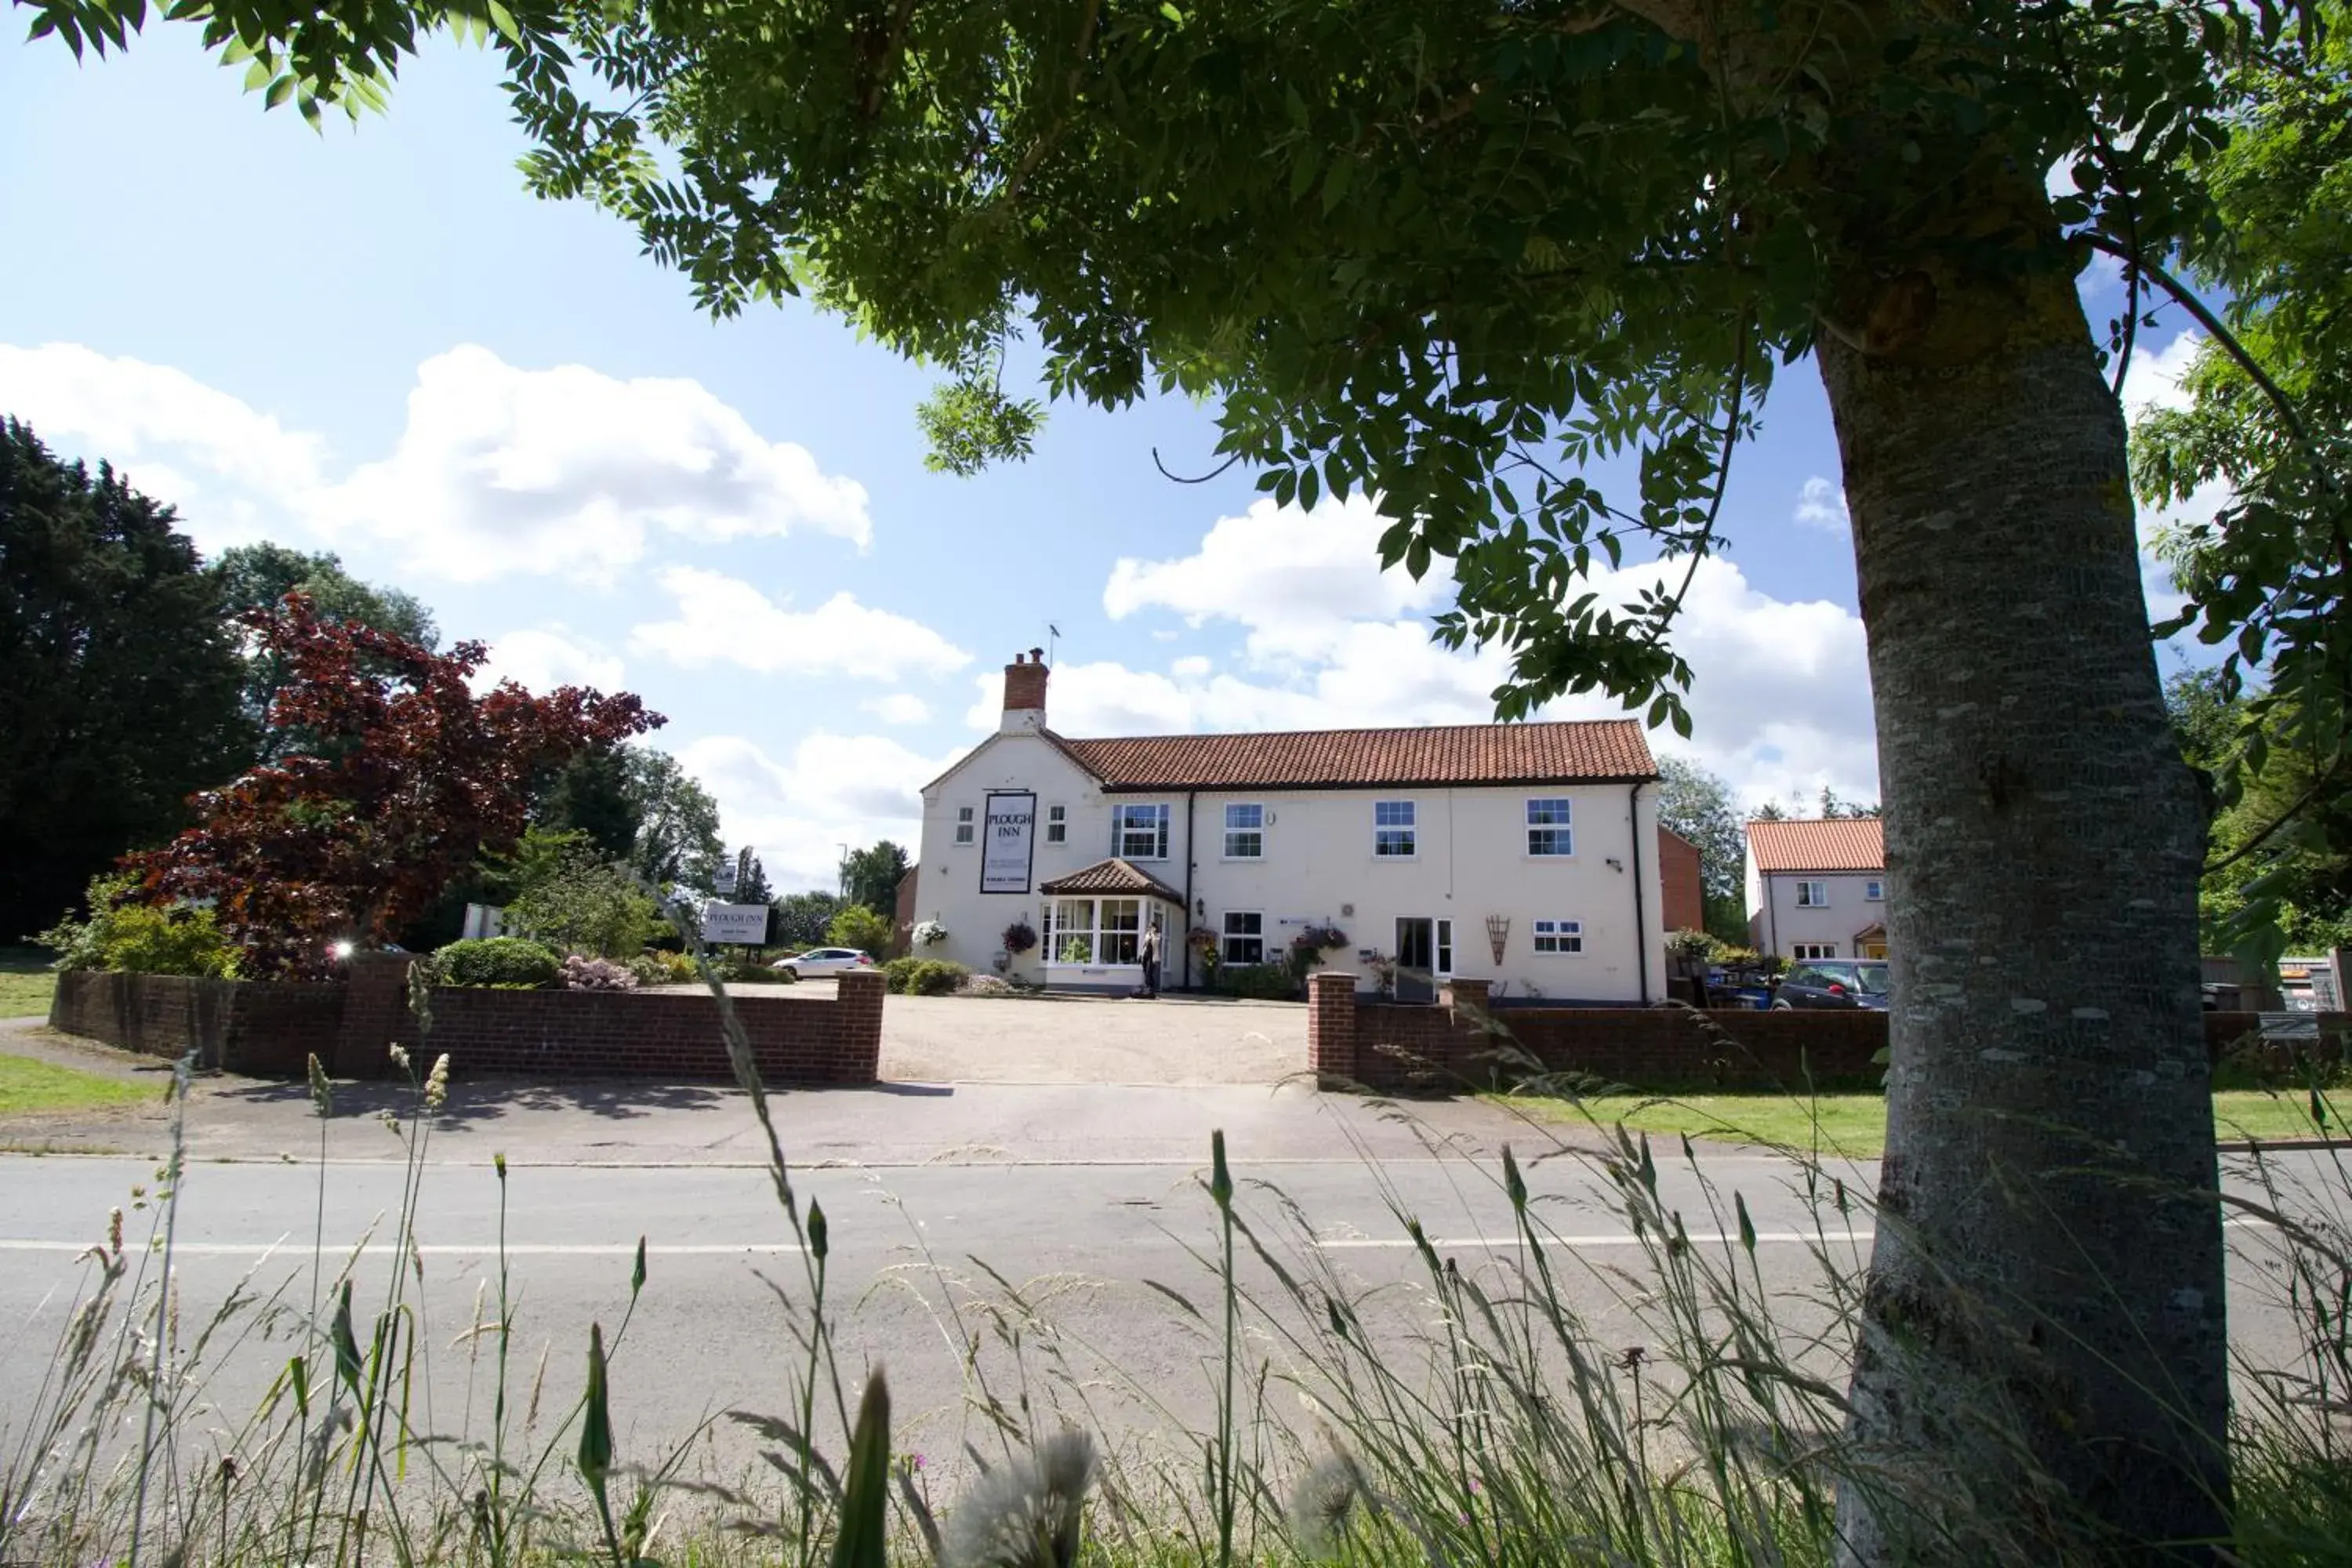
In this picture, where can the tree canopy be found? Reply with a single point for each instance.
(870, 876)
(2269, 421)
(121, 697)
(257, 576)
(415, 777)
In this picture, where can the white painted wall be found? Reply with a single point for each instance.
(1782, 922)
(1471, 862)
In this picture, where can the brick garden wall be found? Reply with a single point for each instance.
(271, 1029)
(1454, 1045)
(263, 1029)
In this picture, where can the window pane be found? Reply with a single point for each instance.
(1547, 813)
(1395, 841)
(1244, 846)
(1393, 814)
(1549, 841)
(1244, 942)
(1241, 816)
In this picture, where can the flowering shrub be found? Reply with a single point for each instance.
(1319, 939)
(1019, 938)
(1307, 949)
(928, 933)
(583, 974)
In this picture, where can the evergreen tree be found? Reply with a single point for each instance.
(120, 693)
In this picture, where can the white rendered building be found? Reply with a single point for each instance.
(1817, 888)
(1523, 855)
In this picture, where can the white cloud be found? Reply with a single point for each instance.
(542, 658)
(1821, 504)
(1293, 578)
(831, 790)
(724, 620)
(1780, 704)
(499, 470)
(568, 470)
(2152, 380)
(225, 464)
(899, 707)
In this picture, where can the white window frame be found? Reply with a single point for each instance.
(1874, 890)
(1255, 832)
(1565, 938)
(1089, 919)
(1560, 835)
(1812, 951)
(964, 825)
(1407, 830)
(1227, 936)
(1119, 831)
(1057, 824)
(1812, 893)
(1441, 950)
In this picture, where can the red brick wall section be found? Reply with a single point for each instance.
(1680, 892)
(265, 1028)
(2239, 1034)
(902, 919)
(271, 1029)
(375, 1014)
(1459, 1046)
(1331, 1025)
(614, 1034)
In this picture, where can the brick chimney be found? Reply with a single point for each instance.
(1025, 692)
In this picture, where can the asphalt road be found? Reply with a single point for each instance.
(924, 1262)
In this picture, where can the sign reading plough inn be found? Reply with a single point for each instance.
(745, 925)
(1008, 845)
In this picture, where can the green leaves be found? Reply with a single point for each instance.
(596, 1451)
(862, 1539)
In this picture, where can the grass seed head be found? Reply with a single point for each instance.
(1025, 1514)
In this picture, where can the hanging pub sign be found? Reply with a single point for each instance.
(1009, 843)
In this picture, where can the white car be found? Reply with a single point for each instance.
(823, 961)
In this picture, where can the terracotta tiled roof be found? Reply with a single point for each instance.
(1840, 844)
(1583, 752)
(1112, 875)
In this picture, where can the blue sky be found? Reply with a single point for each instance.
(373, 342)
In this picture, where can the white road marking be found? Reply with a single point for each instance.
(1614, 1238)
(444, 1249)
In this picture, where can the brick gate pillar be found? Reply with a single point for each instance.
(860, 998)
(1331, 1025)
(375, 1014)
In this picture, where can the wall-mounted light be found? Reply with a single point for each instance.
(1615, 864)
(1201, 908)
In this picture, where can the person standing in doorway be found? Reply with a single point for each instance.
(1150, 952)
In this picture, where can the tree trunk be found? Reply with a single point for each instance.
(2042, 1366)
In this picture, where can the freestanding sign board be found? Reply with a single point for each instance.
(744, 925)
(1010, 843)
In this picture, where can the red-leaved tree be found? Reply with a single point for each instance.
(397, 777)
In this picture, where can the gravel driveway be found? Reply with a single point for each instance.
(1174, 1040)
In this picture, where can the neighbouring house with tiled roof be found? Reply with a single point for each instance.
(1523, 855)
(1818, 889)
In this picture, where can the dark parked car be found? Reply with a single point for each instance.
(1833, 982)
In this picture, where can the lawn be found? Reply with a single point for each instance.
(26, 982)
(27, 1085)
(1855, 1124)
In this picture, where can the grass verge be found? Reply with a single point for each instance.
(29, 1085)
(26, 983)
(1855, 1123)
